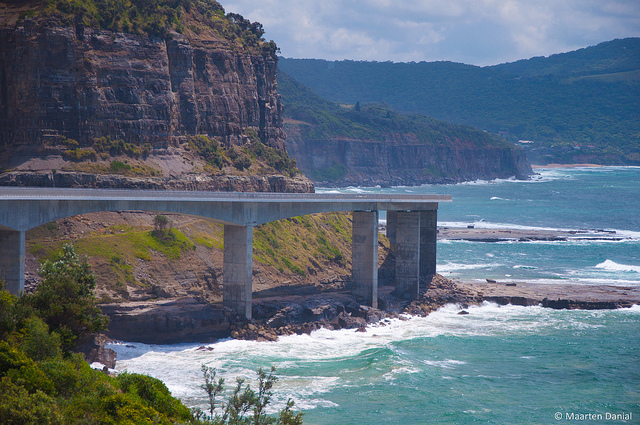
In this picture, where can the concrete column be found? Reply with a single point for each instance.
(408, 255)
(12, 260)
(364, 256)
(428, 236)
(236, 279)
(392, 219)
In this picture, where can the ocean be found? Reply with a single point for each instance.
(498, 364)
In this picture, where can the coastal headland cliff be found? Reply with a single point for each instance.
(180, 106)
(401, 160)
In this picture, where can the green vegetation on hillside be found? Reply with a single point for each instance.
(576, 107)
(313, 118)
(301, 244)
(43, 382)
(159, 18)
(372, 121)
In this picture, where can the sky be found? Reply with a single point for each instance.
(477, 32)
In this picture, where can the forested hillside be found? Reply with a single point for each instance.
(374, 144)
(580, 106)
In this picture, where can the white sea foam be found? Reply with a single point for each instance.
(444, 364)
(296, 356)
(609, 265)
(455, 267)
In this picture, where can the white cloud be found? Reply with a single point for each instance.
(480, 32)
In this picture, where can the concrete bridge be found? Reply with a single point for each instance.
(412, 224)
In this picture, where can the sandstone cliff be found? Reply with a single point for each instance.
(64, 87)
(400, 160)
(84, 83)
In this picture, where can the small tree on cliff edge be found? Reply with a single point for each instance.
(65, 300)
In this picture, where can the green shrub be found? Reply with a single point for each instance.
(64, 298)
(274, 158)
(155, 393)
(80, 154)
(20, 407)
(37, 342)
(160, 222)
(7, 315)
(118, 147)
(208, 149)
(118, 167)
(241, 162)
(22, 370)
(245, 406)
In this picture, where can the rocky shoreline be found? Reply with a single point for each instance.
(478, 234)
(195, 320)
(301, 310)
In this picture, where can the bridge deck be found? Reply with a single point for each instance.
(413, 219)
(38, 193)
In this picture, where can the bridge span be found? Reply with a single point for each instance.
(411, 224)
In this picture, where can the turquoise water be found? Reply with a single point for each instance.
(500, 365)
(583, 199)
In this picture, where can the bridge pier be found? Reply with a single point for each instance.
(428, 239)
(12, 256)
(364, 256)
(407, 249)
(413, 237)
(238, 257)
(392, 221)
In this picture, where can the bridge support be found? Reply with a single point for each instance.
(12, 260)
(238, 256)
(428, 239)
(407, 249)
(392, 221)
(364, 256)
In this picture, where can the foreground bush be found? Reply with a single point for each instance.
(42, 382)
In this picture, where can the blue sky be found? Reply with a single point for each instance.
(478, 32)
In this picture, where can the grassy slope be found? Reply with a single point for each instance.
(132, 261)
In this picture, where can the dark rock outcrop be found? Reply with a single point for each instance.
(94, 351)
(168, 322)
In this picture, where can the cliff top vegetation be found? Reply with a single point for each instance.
(193, 18)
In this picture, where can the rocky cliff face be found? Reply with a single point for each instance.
(78, 83)
(401, 160)
(82, 83)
